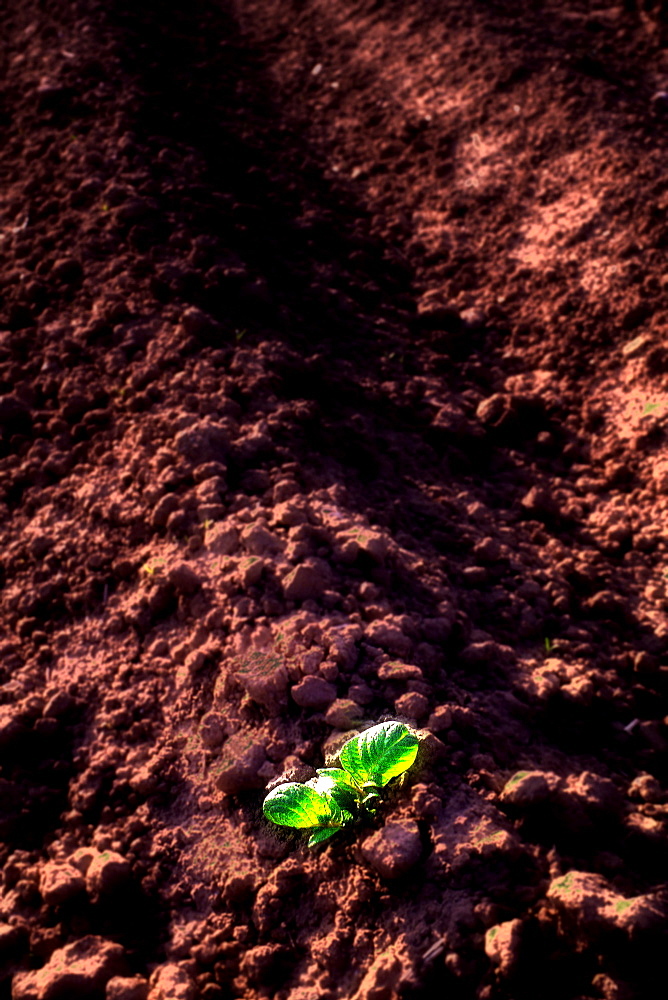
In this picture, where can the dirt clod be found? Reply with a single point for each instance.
(79, 970)
(171, 982)
(107, 874)
(303, 583)
(527, 788)
(502, 945)
(314, 693)
(60, 882)
(127, 988)
(236, 769)
(394, 849)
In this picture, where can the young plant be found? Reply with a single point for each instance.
(154, 566)
(341, 795)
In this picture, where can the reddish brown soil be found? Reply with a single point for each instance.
(333, 336)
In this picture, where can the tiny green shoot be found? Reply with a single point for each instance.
(338, 796)
(153, 566)
(649, 408)
(548, 644)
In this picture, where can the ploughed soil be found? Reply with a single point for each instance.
(333, 389)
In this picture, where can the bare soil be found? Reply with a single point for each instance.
(333, 389)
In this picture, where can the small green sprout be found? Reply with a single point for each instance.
(340, 795)
(153, 566)
(649, 408)
(548, 644)
(516, 778)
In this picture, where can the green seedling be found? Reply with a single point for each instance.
(548, 644)
(153, 566)
(341, 795)
(650, 408)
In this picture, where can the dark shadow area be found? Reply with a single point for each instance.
(329, 297)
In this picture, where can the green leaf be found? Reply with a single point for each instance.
(301, 806)
(337, 776)
(338, 784)
(379, 754)
(320, 835)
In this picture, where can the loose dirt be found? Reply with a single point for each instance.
(333, 389)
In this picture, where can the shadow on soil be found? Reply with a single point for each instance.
(266, 198)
